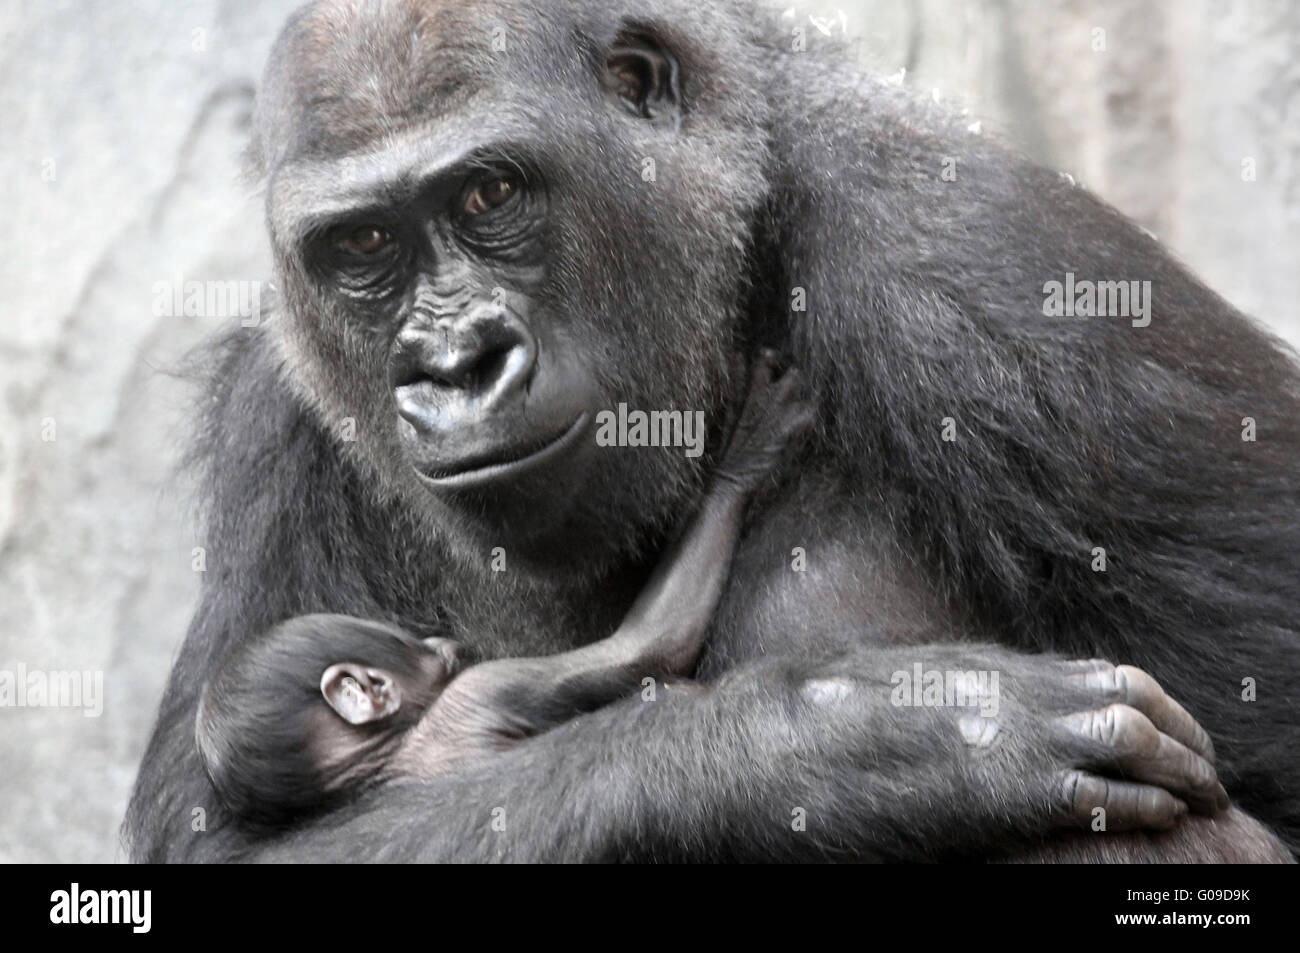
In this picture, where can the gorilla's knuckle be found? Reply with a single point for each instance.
(1102, 679)
(1150, 804)
(1200, 773)
(1081, 792)
(1129, 731)
(1136, 687)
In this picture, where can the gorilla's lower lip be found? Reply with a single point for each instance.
(476, 474)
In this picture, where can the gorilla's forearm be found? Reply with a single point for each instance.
(781, 760)
(700, 773)
(1115, 436)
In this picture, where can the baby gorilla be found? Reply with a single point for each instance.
(324, 705)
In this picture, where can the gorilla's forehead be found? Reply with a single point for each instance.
(348, 73)
(317, 184)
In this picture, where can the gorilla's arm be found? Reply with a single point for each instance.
(925, 307)
(665, 627)
(723, 773)
(709, 773)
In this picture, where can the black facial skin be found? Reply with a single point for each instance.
(681, 173)
(276, 751)
(490, 397)
(442, 273)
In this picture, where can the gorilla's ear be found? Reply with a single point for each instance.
(360, 694)
(642, 75)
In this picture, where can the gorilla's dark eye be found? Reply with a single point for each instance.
(364, 241)
(489, 194)
(361, 259)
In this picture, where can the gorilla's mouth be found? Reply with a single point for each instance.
(504, 463)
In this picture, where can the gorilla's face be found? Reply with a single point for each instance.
(487, 384)
(488, 234)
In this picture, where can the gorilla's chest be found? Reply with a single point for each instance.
(810, 584)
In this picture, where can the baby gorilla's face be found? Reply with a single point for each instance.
(366, 700)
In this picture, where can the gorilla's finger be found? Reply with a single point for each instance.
(1133, 746)
(1145, 694)
(1134, 687)
(1128, 806)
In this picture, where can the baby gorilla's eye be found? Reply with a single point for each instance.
(364, 241)
(489, 194)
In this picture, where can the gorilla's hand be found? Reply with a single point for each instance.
(1128, 726)
(488, 708)
(772, 423)
(1010, 745)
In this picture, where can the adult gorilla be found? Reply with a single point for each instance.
(492, 220)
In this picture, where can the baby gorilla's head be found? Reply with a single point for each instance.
(304, 716)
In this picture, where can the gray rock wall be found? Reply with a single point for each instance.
(121, 127)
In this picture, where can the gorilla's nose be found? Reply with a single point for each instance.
(480, 359)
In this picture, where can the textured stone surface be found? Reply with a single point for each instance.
(1158, 123)
(143, 109)
(144, 120)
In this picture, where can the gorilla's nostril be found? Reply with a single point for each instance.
(487, 370)
(474, 372)
(488, 367)
(481, 355)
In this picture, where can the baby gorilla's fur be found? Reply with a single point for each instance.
(258, 713)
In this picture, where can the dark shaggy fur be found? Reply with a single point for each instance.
(924, 302)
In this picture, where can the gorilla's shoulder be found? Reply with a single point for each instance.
(250, 420)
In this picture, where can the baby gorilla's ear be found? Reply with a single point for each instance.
(360, 694)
